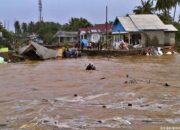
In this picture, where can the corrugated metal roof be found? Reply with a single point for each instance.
(43, 52)
(170, 28)
(127, 23)
(147, 22)
(66, 34)
(97, 28)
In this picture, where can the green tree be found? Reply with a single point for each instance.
(24, 27)
(179, 19)
(1, 26)
(6, 34)
(166, 18)
(17, 27)
(31, 27)
(76, 23)
(176, 3)
(165, 6)
(146, 7)
(46, 30)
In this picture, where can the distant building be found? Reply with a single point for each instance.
(1, 35)
(95, 33)
(67, 37)
(145, 29)
(35, 38)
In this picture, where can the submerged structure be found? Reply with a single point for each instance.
(34, 51)
(145, 29)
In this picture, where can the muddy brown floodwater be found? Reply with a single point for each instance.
(128, 93)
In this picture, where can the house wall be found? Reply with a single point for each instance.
(152, 34)
(170, 38)
(95, 37)
(68, 39)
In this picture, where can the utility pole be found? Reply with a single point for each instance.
(106, 27)
(5, 24)
(8, 25)
(40, 11)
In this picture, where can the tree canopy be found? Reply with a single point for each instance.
(6, 34)
(146, 7)
(76, 23)
(46, 30)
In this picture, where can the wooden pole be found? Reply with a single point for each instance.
(106, 27)
(129, 38)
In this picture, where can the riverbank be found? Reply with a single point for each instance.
(116, 53)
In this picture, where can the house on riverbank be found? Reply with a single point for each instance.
(145, 29)
(67, 37)
(96, 33)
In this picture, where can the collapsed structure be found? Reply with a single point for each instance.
(35, 51)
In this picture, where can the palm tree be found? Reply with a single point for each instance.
(17, 27)
(24, 27)
(31, 27)
(165, 5)
(176, 3)
(146, 7)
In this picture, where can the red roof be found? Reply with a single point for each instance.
(97, 28)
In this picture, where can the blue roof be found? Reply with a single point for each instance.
(118, 27)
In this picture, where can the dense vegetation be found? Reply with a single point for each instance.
(46, 30)
(7, 36)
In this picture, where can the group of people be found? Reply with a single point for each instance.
(90, 45)
(71, 53)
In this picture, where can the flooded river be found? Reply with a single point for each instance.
(125, 93)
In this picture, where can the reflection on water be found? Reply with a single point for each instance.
(124, 92)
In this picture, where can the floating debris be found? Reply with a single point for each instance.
(166, 85)
(123, 121)
(34, 89)
(1, 60)
(3, 125)
(104, 106)
(133, 81)
(130, 104)
(151, 121)
(99, 121)
(126, 82)
(75, 95)
(29, 126)
(90, 67)
(103, 78)
(173, 121)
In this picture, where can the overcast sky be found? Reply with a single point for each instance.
(62, 10)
